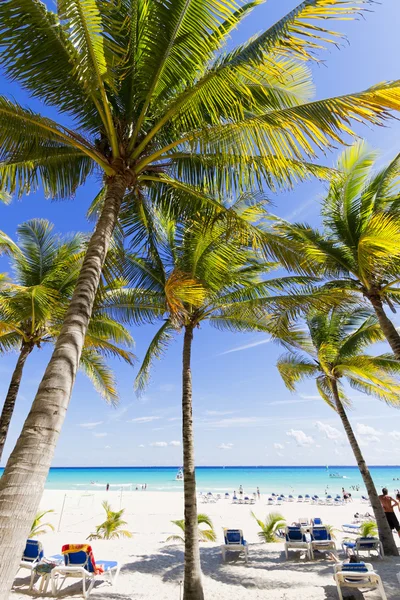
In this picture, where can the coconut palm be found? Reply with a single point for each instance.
(205, 535)
(156, 106)
(359, 248)
(32, 306)
(191, 273)
(274, 522)
(331, 350)
(39, 528)
(111, 528)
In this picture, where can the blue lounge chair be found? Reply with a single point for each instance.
(358, 575)
(317, 521)
(290, 498)
(364, 544)
(351, 528)
(322, 541)
(307, 498)
(80, 564)
(300, 498)
(234, 542)
(33, 553)
(295, 539)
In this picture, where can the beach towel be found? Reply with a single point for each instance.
(69, 548)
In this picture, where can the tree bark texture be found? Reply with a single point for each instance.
(389, 330)
(12, 393)
(192, 586)
(23, 480)
(385, 534)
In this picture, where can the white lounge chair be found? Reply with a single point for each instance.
(321, 540)
(364, 544)
(295, 539)
(304, 522)
(358, 575)
(80, 564)
(234, 542)
(33, 553)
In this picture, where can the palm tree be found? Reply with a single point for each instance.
(274, 522)
(330, 350)
(205, 535)
(111, 528)
(39, 528)
(191, 273)
(33, 305)
(359, 248)
(161, 111)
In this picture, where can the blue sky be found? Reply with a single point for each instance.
(243, 413)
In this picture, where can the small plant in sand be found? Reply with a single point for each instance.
(368, 529)
(273, 523)
(205, 535)
(332, 531)
(111, 528)
(39, 528)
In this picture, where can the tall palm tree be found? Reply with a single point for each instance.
(190, 273)
(45, 268)
(331, 350)
(158, 108)
(358, 249)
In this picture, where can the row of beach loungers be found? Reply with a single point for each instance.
(315, 537)
(327, 500)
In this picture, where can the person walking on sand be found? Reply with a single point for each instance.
(388, 503)
(258, 493)
(107, 487)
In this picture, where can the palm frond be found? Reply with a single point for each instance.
(156, 349)
(102, 377)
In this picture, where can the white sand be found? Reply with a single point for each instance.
(152, 569)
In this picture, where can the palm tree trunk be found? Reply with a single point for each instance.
(385, 533)
(23, 480)
(389, 330)
(9, 403)
(192, 587)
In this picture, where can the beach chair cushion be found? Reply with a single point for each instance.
(234, 536)
(294, 534)
(355, 567)
(321, 534)
(81, 555)
(33, 551)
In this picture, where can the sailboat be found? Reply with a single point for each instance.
(179, 475)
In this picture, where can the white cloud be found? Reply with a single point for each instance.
(167, 387)
(246, 346)
(279, 446)
(310, 396)
(367, 430)
(395, 435)
(100, 434)
(144, 419)
(225, 446)
(107, 447)
(90, 425)
(294, 401)
(174, 419)
(159, 444)
(235, 422)
(331, 432)
(141, 445)
(300, 437)
(175, 443)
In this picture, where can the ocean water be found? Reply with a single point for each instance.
(279, 480)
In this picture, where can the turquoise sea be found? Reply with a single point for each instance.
(280, 480)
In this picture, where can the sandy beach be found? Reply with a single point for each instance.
(152, 568)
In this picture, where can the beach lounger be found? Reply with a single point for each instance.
(363, 544)
(351, 528)
(300, 498)
(322, 541)
(227, 496)
(358, 575)
(80, 564)
(234, 542)
(307, 498)
(295, 539)
(270, 501)
(317, 521)
(303, 522)
(290, 498)
(364, 500)
(33, 553)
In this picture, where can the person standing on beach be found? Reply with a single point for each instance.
(241, 491)
(107, 487)
(258, 493)
(388, 503)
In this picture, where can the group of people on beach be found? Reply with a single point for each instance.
(256, 494)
